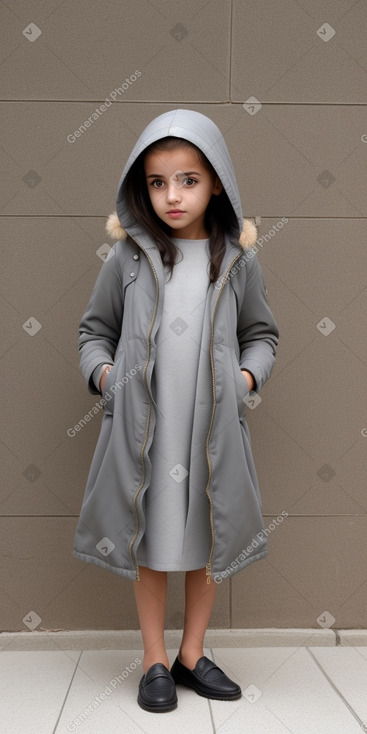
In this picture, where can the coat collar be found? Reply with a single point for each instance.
(247, 238)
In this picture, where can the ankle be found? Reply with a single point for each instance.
(149, 660)
(189, 656)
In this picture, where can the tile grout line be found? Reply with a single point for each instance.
(324, 673)
(67, 693)
(211, 712)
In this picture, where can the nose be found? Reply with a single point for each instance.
(173, 192)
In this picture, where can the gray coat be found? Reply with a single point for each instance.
(120, 326)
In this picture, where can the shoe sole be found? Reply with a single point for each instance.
(229, 697)
(158, 708)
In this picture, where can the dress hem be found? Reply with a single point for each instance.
(158, 566)
(216, 576)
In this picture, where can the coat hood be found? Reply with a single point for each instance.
(202, 132)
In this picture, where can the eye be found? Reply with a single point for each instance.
(187, 181)
(157, 181)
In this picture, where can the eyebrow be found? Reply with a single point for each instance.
(187, 173)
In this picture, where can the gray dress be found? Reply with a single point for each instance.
(177, 535)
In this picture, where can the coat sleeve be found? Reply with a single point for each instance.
(257, 331)
(100, 327)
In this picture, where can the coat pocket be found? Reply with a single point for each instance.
(108, 392)
(241, 387)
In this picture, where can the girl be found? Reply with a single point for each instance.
(177, 333)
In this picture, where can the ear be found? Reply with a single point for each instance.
(218, 186)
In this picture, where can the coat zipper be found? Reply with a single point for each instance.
(209, 564)
(132, 552)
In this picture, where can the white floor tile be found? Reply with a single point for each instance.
(283, 691)
(347, 668)
(33, 687)
(119, 711)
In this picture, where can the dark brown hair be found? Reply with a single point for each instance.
(219, 216)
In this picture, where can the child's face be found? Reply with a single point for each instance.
(180, 188)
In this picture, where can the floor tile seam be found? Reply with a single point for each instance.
(211, 712)
(67, 692)
(361, 723)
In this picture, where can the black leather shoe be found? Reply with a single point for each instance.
(157, 690)
(206, 679)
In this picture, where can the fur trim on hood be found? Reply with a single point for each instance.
(247, 238)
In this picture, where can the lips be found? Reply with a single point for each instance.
(175, 213)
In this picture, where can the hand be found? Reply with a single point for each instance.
(102, 380)
(249, 379)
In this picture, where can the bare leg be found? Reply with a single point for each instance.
(199, 600)
(150, 596)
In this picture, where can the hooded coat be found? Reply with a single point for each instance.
(120, 326)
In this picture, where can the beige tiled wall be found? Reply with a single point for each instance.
(300, 150)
